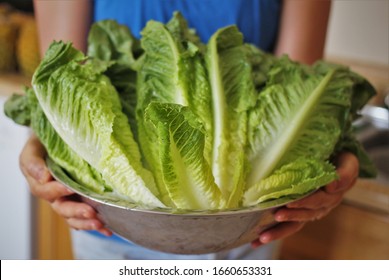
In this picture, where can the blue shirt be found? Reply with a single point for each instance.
(256, 19)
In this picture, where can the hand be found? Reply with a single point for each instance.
(294, 215)
(77, 214)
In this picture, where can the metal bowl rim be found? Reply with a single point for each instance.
(59, 174)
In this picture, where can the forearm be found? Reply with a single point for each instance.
(303, 29)
(68, 21)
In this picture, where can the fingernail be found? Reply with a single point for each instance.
(280, 217)
(94, 226)
(105, 231)
(264, 238)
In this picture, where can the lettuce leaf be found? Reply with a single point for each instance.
(27, 106)
(293, 179)
(171, 72)
(85, 110)
(186, 173)
(110, 42)
(301, 115)
(233, 94)
(168, 121)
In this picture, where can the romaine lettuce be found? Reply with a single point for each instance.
(171, 72)
(168, 121)
(233, 94)
(301, 115)
(84, 108)
(186, 173)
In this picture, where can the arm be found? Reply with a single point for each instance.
(63, 20)
(303, 29)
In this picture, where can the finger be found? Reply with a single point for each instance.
(92, 224)
(34, 168)
(256, 243)
(105, 231)
(317, 200)
(347, 169)
(68, 208)
(49, 191)
(89, 224)
(300, 215)
(79, 215)
(280, 231)
(32, 163)
(85, 224)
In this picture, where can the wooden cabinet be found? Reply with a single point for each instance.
(53, 234)
(357, 229)
(347, 233)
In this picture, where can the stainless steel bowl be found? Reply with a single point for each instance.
(186, 232)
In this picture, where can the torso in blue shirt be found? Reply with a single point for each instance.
(256, 19)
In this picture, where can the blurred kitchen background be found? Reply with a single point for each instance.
(358, 36)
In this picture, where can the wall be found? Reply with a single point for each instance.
(359, 29)
(16, 213)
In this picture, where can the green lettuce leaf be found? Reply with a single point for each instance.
(186, 173)
(293, 179)
(111, 41)
(85, 110)
(114, 43)
(172, 71)
(233, 94)
(77, 168)
(361, 91)
(261, 63)
(17, 108)
(302, 113)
